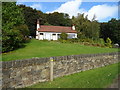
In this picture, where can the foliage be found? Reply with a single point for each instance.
(85, 27)
(111, 30)
(63, 36)
(58, 19)
(86, 79)
(37, 48)
(108, 42)
(47, 24)
(11, 40)
(24, 31)
(31, 15)
(102, 42)
(11, 15)
(12, 30)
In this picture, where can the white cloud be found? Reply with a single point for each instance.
(19, 3)
(36, 6)
(70, 7)
(102, 12)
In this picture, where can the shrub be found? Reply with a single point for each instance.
(108, 42)
(62, 41)
(14, 38)
(11, 40)
(73, 40)
(63, 36)
(102, 42)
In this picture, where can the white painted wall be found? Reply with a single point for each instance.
(37, 34)
(54, 36)
(73, 27)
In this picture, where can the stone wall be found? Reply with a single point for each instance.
(22, 73)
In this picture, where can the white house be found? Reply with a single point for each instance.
(53, 32)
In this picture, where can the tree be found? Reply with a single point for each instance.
(24, 31)
(111, 30)
(58, 19)
(85, 27)
(31, 15)
(12, 17)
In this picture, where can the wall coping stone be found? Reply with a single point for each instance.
(37, 60)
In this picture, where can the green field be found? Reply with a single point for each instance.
(38, 48)
(96, 78)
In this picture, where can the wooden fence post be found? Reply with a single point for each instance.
(51, 69)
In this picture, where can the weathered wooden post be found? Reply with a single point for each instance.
(51, 69)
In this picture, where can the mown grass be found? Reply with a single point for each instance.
(96, 78)
(38, 48)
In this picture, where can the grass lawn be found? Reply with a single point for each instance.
(38, 48)
(96, 78)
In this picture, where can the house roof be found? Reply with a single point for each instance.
(44, 28)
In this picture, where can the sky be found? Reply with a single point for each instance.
(103, 11)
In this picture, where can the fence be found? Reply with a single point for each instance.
(22, 73)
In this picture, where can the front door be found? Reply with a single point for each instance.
(54, 36)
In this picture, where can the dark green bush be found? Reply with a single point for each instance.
(63, 36)
(62, 41)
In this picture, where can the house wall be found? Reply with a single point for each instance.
(22, 73)
(51, 36)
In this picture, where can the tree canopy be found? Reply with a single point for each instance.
(11, 19)
(58, 19)
(111, 29)
(85, 27)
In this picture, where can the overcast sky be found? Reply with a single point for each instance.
(103, 11)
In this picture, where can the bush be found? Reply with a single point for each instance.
(108, 42)
(86, 40)
(62, 41)
(63, 36)
(73, 40)
(11, 40)
(102, 42)
(14, 38)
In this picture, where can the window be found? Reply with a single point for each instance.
(58, 35)
(53, 34)
(41, 33)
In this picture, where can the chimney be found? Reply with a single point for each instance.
(73, 27)
(38, 24)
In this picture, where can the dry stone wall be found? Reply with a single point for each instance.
(22, 73)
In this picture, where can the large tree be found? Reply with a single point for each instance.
(12, 17)
(31, 15)
(111, 30)
(58, 19)
(85, 27)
